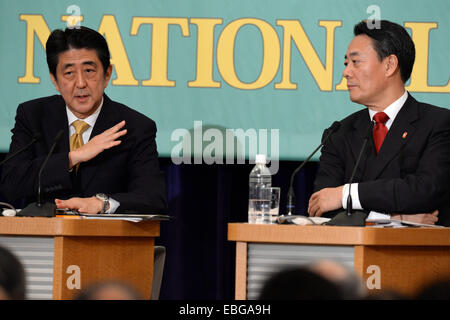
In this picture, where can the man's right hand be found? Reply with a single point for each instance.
(98, 144)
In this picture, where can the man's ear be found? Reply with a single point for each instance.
(55, 83)
(391, 65)
(108, 74)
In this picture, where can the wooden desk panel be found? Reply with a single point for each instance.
(407, 258)
(405, 269)
(103, 258)
(96, 249)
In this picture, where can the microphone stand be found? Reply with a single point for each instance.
(36, 137)
(291, 194)
(290, 206)
(350, 217)
(39, 209)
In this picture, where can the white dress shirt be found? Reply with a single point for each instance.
(89, 120)
(113, 204)
(392, 110)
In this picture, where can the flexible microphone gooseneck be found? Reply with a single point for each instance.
(39, 209)
(57, 138)
(358, 160)
(290, 206)
(11, 211)
(350, 217)
(36, 137)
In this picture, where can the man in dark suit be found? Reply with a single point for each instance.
(107, 159)
(404, 172)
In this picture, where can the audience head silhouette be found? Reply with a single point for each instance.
(109, 290)
(439, 290)
(348, 282)
(299, 284)
(12, 276)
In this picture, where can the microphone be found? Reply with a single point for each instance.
(12, 211)
(36, 137)
(38, 209)
(57, 138)
(291, 194)
(350, 217)
(358, 160)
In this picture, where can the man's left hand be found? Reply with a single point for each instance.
(426, 218)
(90, 205)
(327, 199)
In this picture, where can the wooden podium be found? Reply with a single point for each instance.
(79, 252)
(400, 259)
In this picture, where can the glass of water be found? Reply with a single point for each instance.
(274, 205)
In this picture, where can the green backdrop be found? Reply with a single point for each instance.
(272, 69)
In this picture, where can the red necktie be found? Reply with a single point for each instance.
(379, 130)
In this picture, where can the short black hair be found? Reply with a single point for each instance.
(390, 38)
(76, 38)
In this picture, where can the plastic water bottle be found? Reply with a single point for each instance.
(259, 192)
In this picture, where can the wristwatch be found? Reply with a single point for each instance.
(103, 197)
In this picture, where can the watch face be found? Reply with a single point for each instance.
(102, 196)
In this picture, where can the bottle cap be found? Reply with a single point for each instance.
(260, 158)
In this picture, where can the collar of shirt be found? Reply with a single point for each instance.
(392, 110)
(89, 120)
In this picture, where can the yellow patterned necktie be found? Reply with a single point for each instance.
(76, 140)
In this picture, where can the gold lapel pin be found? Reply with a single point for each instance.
(404, 134)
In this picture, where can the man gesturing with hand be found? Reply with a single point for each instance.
(107, 160)
(96, 145)
(84, 153)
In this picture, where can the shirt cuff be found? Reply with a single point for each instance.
(373, 215)
(354, 194)
(113, 205)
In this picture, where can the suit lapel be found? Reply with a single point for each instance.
(106, 119)
(399, 134)
(360, 127)
(54, 121)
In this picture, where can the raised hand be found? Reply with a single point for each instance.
(98, 144)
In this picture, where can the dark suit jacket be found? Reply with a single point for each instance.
(410, 174)
(129, 172)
